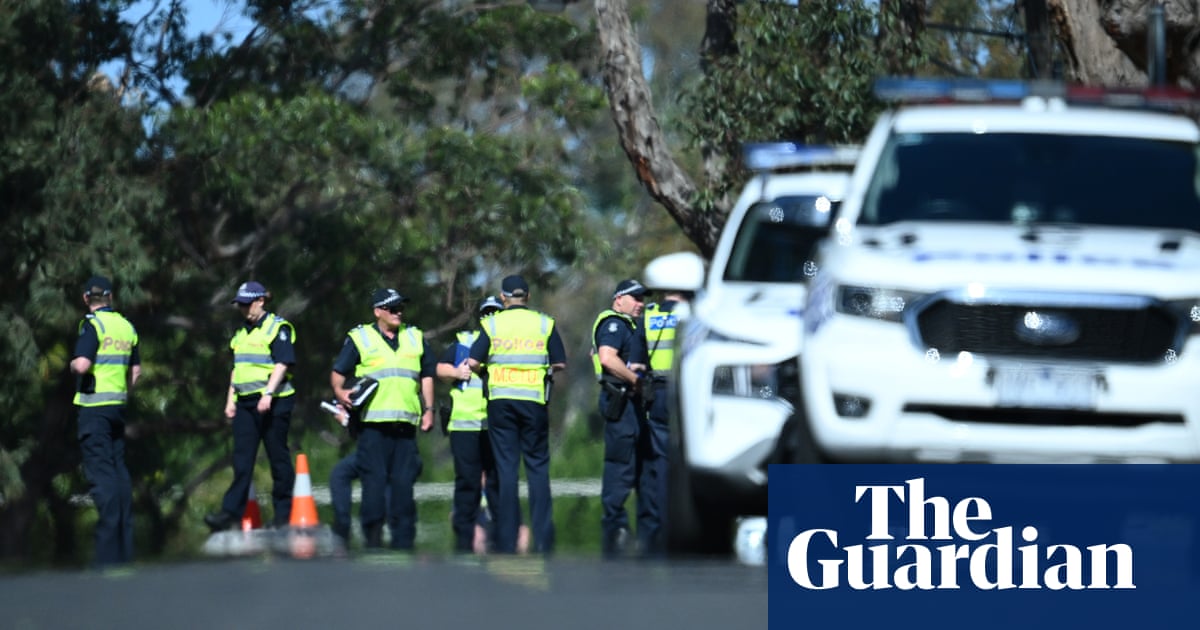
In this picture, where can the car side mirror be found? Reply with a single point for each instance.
(681, 271)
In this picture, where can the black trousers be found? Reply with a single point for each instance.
(628, 452)
(251, 428)
(521, 430)
(653, 536)
(341, 491)
(102, 441)
(472, 451)
(389, 464)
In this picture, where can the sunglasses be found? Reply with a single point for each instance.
(394, 310)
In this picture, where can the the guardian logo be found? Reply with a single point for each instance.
(950, 547)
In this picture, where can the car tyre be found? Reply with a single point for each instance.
(694, 527)
(796, 442)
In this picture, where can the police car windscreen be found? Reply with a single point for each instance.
(777, 238)
(1034, 179)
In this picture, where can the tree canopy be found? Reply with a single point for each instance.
(338, 146)
(393, 144)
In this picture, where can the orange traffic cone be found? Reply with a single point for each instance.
(304, 508)
(252, 517)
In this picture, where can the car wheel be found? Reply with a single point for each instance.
(796, 443)
(693, 527)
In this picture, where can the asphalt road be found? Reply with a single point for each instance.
(394, 590)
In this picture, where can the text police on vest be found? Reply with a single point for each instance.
(501, 343)
(121, 345)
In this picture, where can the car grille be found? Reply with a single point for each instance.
(1127, 335)
(1044, 417)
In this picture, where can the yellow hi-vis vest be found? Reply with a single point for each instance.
(605, 314)
(252, 364)
(519, 356)
(470, 407)
(111, 367)
(660, 338)
(398, 371)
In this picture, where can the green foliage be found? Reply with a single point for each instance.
(960, 47)
(278, 172)
(579, 446)
(803, 72)
(557, 89)
(335, 148)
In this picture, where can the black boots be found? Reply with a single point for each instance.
(373, 536)
(220, 521)
(616, 544)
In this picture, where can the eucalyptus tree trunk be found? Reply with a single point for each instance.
(1105, 41)
(637, 126)
(1092, 56)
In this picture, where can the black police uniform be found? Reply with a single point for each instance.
(341, 481)
(387, 458)
(655, 465)
(472, 453)
(101, 435)
(627, 446)
(521, 429)
(250, 428)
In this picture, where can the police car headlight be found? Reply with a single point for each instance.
(877, 303)
(747, 381)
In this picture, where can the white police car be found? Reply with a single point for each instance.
(1011, 280)
(735, 375)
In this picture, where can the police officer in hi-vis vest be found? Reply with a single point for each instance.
(520, 350)
(397, 356)
(469, 444)
(107, 366)
(260, 402)
(661, 320)
(620, 363)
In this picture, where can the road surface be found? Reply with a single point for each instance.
(423, 592)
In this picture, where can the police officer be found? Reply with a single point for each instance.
(341, 479)
(396, 355)
(522, 351)
(260, 402)
(341, 482)
(107, 365)
(469, 444)
(661, 320)
(620, 362)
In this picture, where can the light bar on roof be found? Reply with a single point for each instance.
(771, 156)
(1009, 90)
(963, 90)
(1162, 98)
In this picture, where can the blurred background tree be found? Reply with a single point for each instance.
(335, 148)
(327, 148)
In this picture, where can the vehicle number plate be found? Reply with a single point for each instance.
(1045, 386)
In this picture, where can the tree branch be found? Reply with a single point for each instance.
(637, 127)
